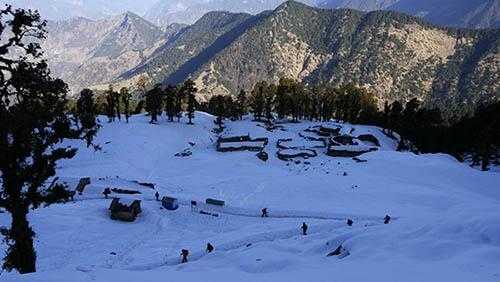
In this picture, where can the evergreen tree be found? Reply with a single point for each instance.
(283, 95)
(386, 117)
(110, 104)
(219, 109)
(33, 122)
(257, 100)
(189, 91)
(154, 103)
(170, 102)
(268, 103)
(126, 96)
(179, 98)
(86, 112)
(242, 103)
(395, 112)
(116, 97)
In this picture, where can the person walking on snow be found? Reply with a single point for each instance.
(304, 228)
(350, 222)
(387, 219)
(157, 196)
(264, 212)
(184, 254)
(210, 248)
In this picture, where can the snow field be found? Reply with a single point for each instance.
(445, 215)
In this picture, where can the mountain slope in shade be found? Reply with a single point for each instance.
(85, 52)
(188, 44)
(457, 13)
(392, 55)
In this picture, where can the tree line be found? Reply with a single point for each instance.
(174, 101)
(420, 129)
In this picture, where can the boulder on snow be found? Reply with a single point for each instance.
(184, 153)
(339, 252)
(336, 252)
(263, 156)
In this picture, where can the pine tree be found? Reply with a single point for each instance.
(33, 122)
(189, 91)
(242, 103)
(257, 100)
(126, 96)
(154, 102)
(110, 104)
(395, 116)
(283, 94)
(219, 110)
(269, 95)
(179, 98)
(117, 98)
(86, 112)
(170, 102)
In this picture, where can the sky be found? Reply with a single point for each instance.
(63, 9)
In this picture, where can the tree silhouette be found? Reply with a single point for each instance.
(33, 121)
(154, 102)
(86, 111)
(242, 104)
(170, 102)
(111, 104)
(126, 96)
(189, 90)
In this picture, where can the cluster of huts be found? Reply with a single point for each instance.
(317, 137)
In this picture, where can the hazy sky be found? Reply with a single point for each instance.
(61, 9)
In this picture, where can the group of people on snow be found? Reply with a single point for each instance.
(185, 253)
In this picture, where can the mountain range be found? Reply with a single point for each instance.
(393, 55)
(455, 13)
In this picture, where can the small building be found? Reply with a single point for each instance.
(170, 203)
(82, 184)
(215, 202)
(241, 143)
(124, 209)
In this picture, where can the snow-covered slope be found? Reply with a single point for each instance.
(445, 215)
